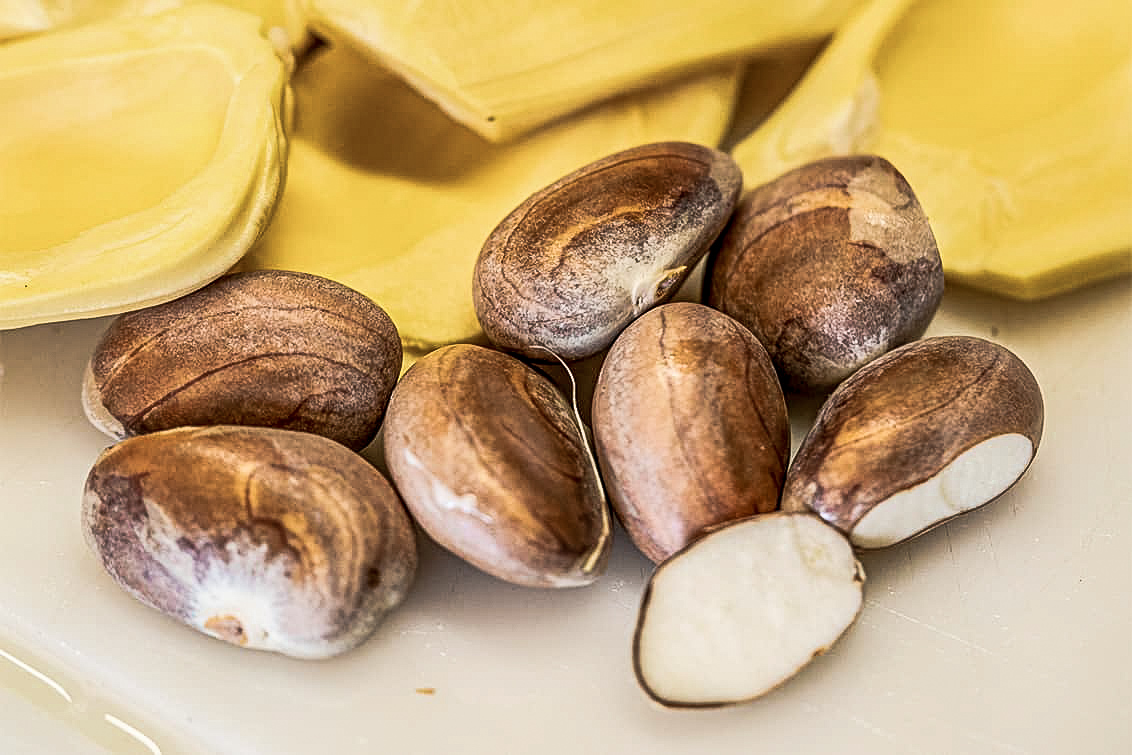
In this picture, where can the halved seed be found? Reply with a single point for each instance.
(743, 609)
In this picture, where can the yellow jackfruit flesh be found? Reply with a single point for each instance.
(19, 17)
(139, 159)
(1013, 121)
(502, 67)
(389, 196)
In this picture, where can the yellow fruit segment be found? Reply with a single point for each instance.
(503, 67)
(140, 159)
(389, 196)
(1013, 122)
(86, 137)
(19, 17)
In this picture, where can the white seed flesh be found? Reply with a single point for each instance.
(978, 475)
(743, 609)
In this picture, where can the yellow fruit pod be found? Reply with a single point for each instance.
(19, 17)
(139, 160)
(503, 68)
(392, 198)
(1012, 122)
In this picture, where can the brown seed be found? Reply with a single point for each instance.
(931, 430)
(493, 465)
(575, 263)
(830, 266)
(264, 538)
(271, 348)
(690, 426)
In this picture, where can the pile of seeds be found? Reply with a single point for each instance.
(235, 505)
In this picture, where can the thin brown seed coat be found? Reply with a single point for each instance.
(198, 497)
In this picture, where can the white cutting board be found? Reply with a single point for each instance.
(1006, 631)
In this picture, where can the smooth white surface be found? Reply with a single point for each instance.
(1004, 631)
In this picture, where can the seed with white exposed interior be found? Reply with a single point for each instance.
(743, 609)
(931, 430)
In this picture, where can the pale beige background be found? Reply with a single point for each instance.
(1006, 631)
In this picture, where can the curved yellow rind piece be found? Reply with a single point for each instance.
(140, 159)
(20, 17)
(1012, 122)
(503, 68)
(389, 196)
